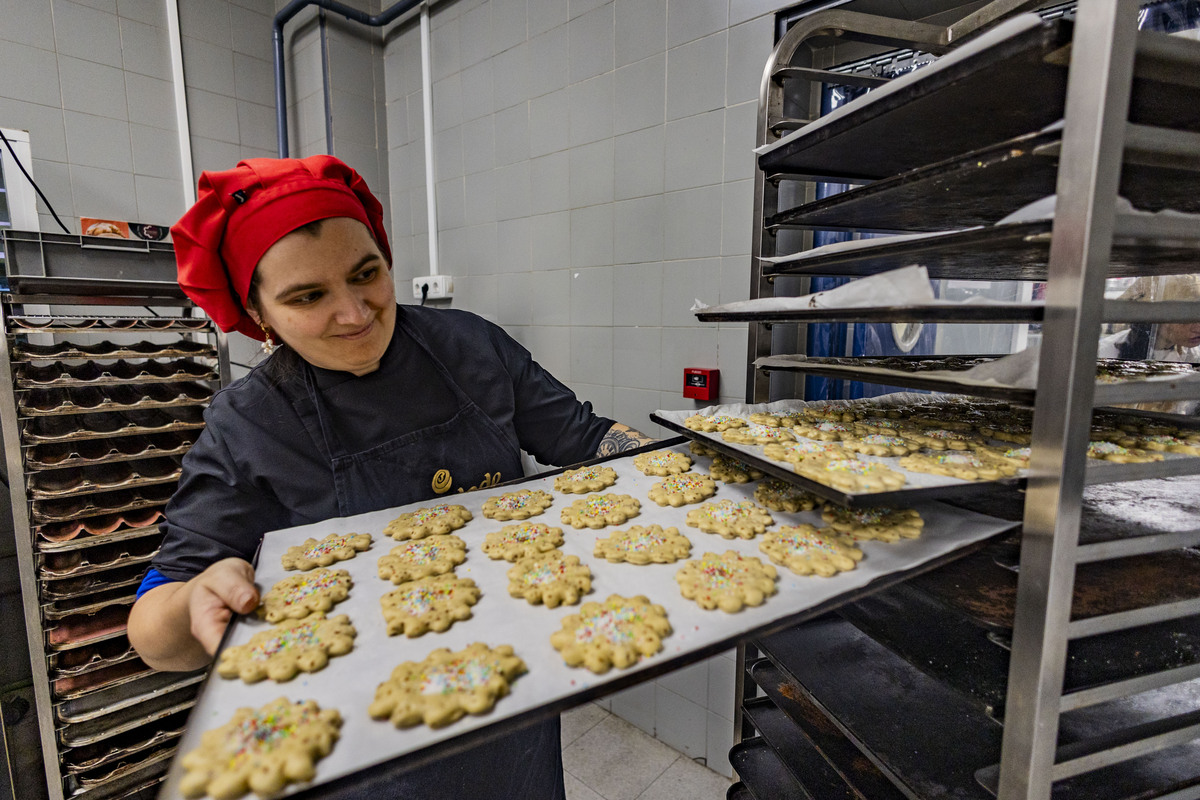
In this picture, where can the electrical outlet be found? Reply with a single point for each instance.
(440, 287)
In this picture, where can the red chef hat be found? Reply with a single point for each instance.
(243, 211)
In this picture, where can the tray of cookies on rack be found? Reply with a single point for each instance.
(386, 640)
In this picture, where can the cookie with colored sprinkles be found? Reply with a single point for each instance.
(806, 550)
(334, 547)
(521, 540)
(850, 474)
(825, 430)
(730, 470)
(730, 519)
(446, 685)
(585, 479)
(442, 518)
(521, 504)
(871, 424)
(1015, 456)
(676, 490)
(550, 579)
(294, 645)
(615, 633)
(715, 422)
(260, 750)
(701, 449)
(1016, 434)
(941, 438)
(597, 510)
(783, 419)
(757, 434)
(1110, 451)
(881, 524)
(662, 462)
(1169, 443)
(880, 444)
(429, 604)
(644, 545)
(795, 452)
(420, 558)
(780, 495)
(959, 464)
(297, 596)
(727, 582)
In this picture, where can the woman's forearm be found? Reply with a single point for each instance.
(160, 629)
(621, 438)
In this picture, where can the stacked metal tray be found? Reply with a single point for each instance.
(105, 407)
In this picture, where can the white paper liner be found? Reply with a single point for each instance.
(1006, 30)
(348, 683)
(898, 287)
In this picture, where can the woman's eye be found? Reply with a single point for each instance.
(367, 275)
(305, 299)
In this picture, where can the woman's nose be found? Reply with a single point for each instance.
(351, 308)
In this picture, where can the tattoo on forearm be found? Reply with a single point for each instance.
(620, 439)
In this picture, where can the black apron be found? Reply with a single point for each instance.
(526, 763)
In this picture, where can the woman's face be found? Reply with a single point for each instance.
(1179, 334)
(329, 296)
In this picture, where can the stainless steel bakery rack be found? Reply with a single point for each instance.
(1063, 662)
(107, 368)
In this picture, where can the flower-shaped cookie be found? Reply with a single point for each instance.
(727, 582)
(597, 510)
(297, 596)
(1170, 443)
(880, 524)
(757, 434)
(662, 462)
(780, 495)
(941, 438)
(1017, 434)
(783, 419)
(1109, 451)
(639, 545)
(730, 470)
(1014, 456)
(334, 547)
(517, 505)
(699, 448)
(617, 632)
(826, 430)
(850, 474)
(521, 540)
(795, 452)
(261, 750)
(550, 579)
(434, 603)
(586, 479)
(884, 425)
(420, 558)
(881, 444)
(730, 519)
(716, 422)
(294, 645)
(806, 550)
(441, 518)
(446, 685)
(676, 490)
(959, 464)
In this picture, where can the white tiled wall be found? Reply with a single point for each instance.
(595, 177)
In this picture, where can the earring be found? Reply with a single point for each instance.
(268, 345)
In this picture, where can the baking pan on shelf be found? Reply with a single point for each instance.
(74, 686)
(88, 373)
(125, 720)
(123, 780)
(122, 595)
(142, 739)
(102, 504)
(55, 401)
(967, 313)
(104, 556)
(764, 773)
(89, 452)
(550, 686)
(83, 427)
(69, 663)
(109, 477)
(799, 757)
(61, 537)
(33, 323)
(76, 586)
(87, 629)
(116, 697)
(28, 352)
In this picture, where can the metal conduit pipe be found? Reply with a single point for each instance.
(293, 8)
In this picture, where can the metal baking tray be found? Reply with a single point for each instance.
(101, 504)
(73, 428)
(61, 537)
(89, 757)
(78, 586)
(795, 752)
(109, 700)
(124, 594)
(86, 629)
(87, 684)
(1105, 394)
(551, 686)
(181, 370)
(189, 393)
(92, 731)
(967, 313)
(862, 775)
(120, 481)
(33, 323)
(978, 188)
(106, 555)
(69, 663)
(126, 781)
(23, 352)
(96, 451)
(32, 288)
(764, 773)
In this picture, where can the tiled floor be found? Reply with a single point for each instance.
(606, 758)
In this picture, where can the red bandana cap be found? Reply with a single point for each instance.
(241, 212)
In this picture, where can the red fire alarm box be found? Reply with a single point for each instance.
(701, 384)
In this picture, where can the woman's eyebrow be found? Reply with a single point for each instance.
(308, 287)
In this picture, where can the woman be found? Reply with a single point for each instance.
(366, 405)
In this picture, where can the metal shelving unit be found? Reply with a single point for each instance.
(1064, 662)
(107, 379)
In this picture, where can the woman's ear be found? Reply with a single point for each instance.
(254, 315)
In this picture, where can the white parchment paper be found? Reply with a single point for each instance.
(348, 683)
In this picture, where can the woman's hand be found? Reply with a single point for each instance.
(178, 626)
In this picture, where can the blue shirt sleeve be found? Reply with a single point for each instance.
(153, 580)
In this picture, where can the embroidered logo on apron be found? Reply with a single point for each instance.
(442, 481)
